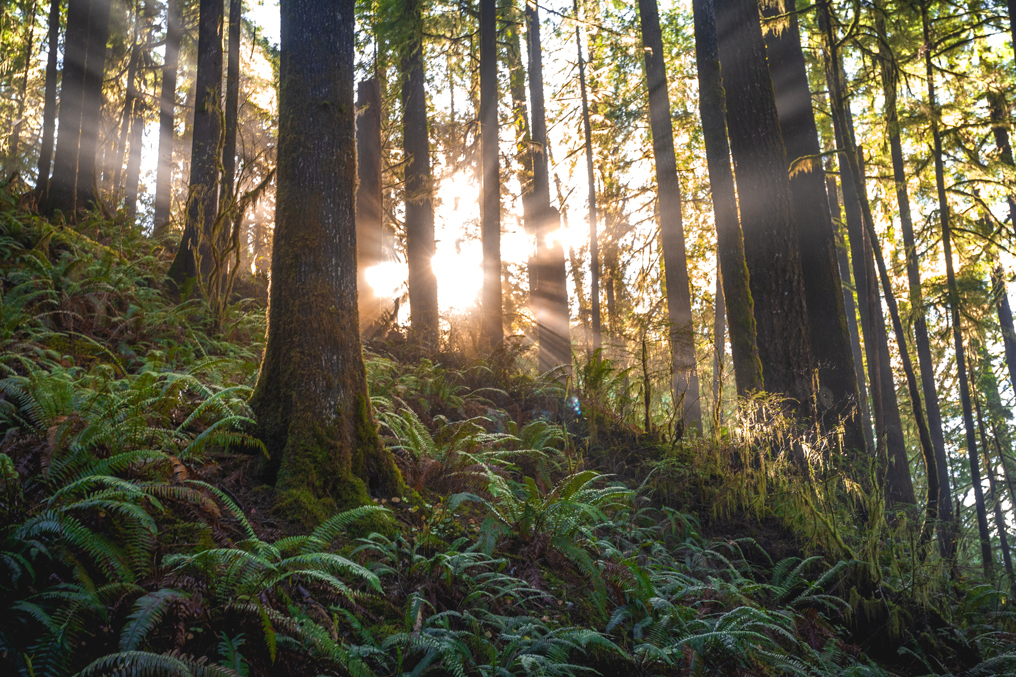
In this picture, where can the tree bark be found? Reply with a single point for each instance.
(12, 150)
(552, 311)
(729, 243)
(954, 299)
(719, 350)
(49, 108)
(206, 153)
(993, 496)
(419, 191)
(369, 220)
(838, 396)
(767, 218)
(232, 100)
(134, 159)
(946, 532)
(311, 398)
(492, 329)
(682, 331)
(594, 238)
(167, 118)
(892, 463)
(72, 185)
(127, 114)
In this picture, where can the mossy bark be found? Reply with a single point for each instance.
(311, 399)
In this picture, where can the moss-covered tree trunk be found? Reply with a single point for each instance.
(232, 104)
(311, 398)
(206, 153)
(838, 400)
(492, 330)
(682, 335)
(729, 243)
(767, 216)
(167, 117)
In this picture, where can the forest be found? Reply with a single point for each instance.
(507, 337)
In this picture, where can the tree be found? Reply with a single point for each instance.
(419, 191)
(15, 142)
(311, 398)
(594, 238)
(71, 187)
(767, 218)
(49, 107)
(839, 399)
(206, 154)
(682, 335)
(552, 313)
(369, 218)
(492, 331)
(729, 242)
(232, 104)
(167, 117)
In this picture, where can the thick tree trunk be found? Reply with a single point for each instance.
(369, 220)
(891, 455)
(767, 218)
(232, 100)
(167, 118)
(72, 185)
(729, 242)
(419, 191)
(206, 152)
(682, 332)
(14, 146)
(552, 314)
(49, 108)
(946, 534)
(311, 398)
(594, 238)
(954, 299)
(850, 311)
(492, 329)
(839, 399)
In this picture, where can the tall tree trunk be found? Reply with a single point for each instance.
(850, 311)
(946, 533)
(523, 138)
(232, 100)
(729, 242)
(15, 143)
(134, 159)
(594, 238)
(127, 114)
(954, 299)
(167, 118)
(492, 329)
(49, 107)
(891, 454)
(719, 350)
(552, 314)
(767, 217)
(682, 332)
(369, 220)
(419, 191)
(1000, 128)
(839, 399)
(72, 185)
(993, 496)
(206, 153)
(311, 399)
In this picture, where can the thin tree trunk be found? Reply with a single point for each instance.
(839, 399)
(232, 100)
(767, 217)
(946, 532)
(719, 350)
(49, 108)
(1000, 128)
(523, 139)
(961, 366)
(311, 399)
(594, 238)
(167, 118)
(15, 143)
(206, 152)
(892, 463)
(418, 189)
(850, 310)
(369, 220)
(552, 308)
(729, 242)
(492, 331)
(134, 159)
(993, 496)
(127, 114)
(72, 185)
(682, 332)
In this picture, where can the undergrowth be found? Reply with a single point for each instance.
(544, 532)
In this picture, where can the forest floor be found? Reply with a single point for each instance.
(543, 532)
